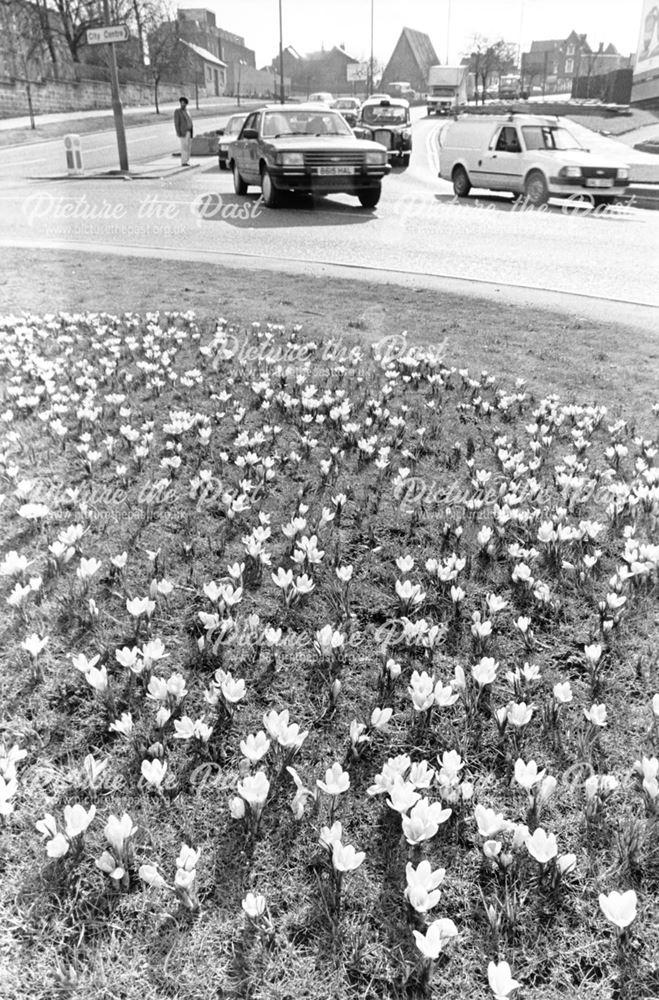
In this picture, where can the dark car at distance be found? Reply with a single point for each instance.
(228, 135)
(387, 121)
(306, 148)
(349, 108)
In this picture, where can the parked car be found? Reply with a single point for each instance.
(349, 108)
(387, 120)
(528, 155)
(305, 147)
(228, 135)
(322, 97)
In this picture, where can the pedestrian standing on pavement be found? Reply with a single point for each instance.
(183, 126)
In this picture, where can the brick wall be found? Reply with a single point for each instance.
(84, 95)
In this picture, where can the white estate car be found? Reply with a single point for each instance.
(529, 155)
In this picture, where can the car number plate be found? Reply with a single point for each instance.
(334, 171)
(599, 182)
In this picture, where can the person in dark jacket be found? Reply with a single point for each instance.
(183, 127)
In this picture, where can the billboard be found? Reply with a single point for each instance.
(356, 72)
(647, 55)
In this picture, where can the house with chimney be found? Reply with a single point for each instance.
(552, 66)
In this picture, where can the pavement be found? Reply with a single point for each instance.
(160, 167)
(207, 107)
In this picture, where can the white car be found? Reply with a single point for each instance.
(527, 155)
(228, 135)
(322, 97)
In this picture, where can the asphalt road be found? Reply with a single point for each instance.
(418, 229)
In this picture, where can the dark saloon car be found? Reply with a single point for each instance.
(228, 135)
(309, 148)
(387, 120)
(349, 108)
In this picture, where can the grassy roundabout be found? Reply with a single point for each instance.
(329, 670)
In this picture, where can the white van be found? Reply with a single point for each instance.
(529, 155)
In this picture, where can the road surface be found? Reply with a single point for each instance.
(418, 229)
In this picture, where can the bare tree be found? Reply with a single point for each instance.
(22, 26)
(75, 17)
(487, 59)
(168, 56)
(592, 59)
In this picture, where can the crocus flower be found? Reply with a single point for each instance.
(596, 715)
(254, 790)
(424, 821)
(489, 822)
(254, 905)
(501, 981)
(437, 934)
(542, 846)
(254, 747)
(345, 858)
(336, 780)
(619, 907)
(118, 830)
(77, 819)
(422, 882)
(154, 771)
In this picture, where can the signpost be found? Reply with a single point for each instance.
(110, 34)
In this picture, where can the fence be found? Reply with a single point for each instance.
(610, 88)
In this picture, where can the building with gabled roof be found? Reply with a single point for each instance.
(325, 70)
(553, 65)
(411, 60)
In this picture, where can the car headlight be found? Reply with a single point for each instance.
(291, 159)
(405, 134)
(623, 174)
(376, 158)
(569, 172)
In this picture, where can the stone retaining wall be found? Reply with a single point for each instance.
(82, 95)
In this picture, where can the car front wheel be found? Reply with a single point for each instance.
(461, 182)
(535, 189)
(239, 185)
(270, 194)
(405, 160)
(369, 197)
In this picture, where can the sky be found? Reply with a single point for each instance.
(309, 25)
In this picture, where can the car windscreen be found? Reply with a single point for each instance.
(378, 115)
(548, 137)
(347, 105)
(234, 125)
(312, 122)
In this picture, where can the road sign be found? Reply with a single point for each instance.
(109, 33)
(356, 71)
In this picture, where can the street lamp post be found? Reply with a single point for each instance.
(448, 32)
(370, 65)
(282, 95)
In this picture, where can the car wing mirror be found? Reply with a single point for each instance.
(249, 133)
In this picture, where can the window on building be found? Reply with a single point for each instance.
(569, 65)
(570, 50)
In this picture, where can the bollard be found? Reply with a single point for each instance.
(73, 155)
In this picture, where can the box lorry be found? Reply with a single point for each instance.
(447, 89)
